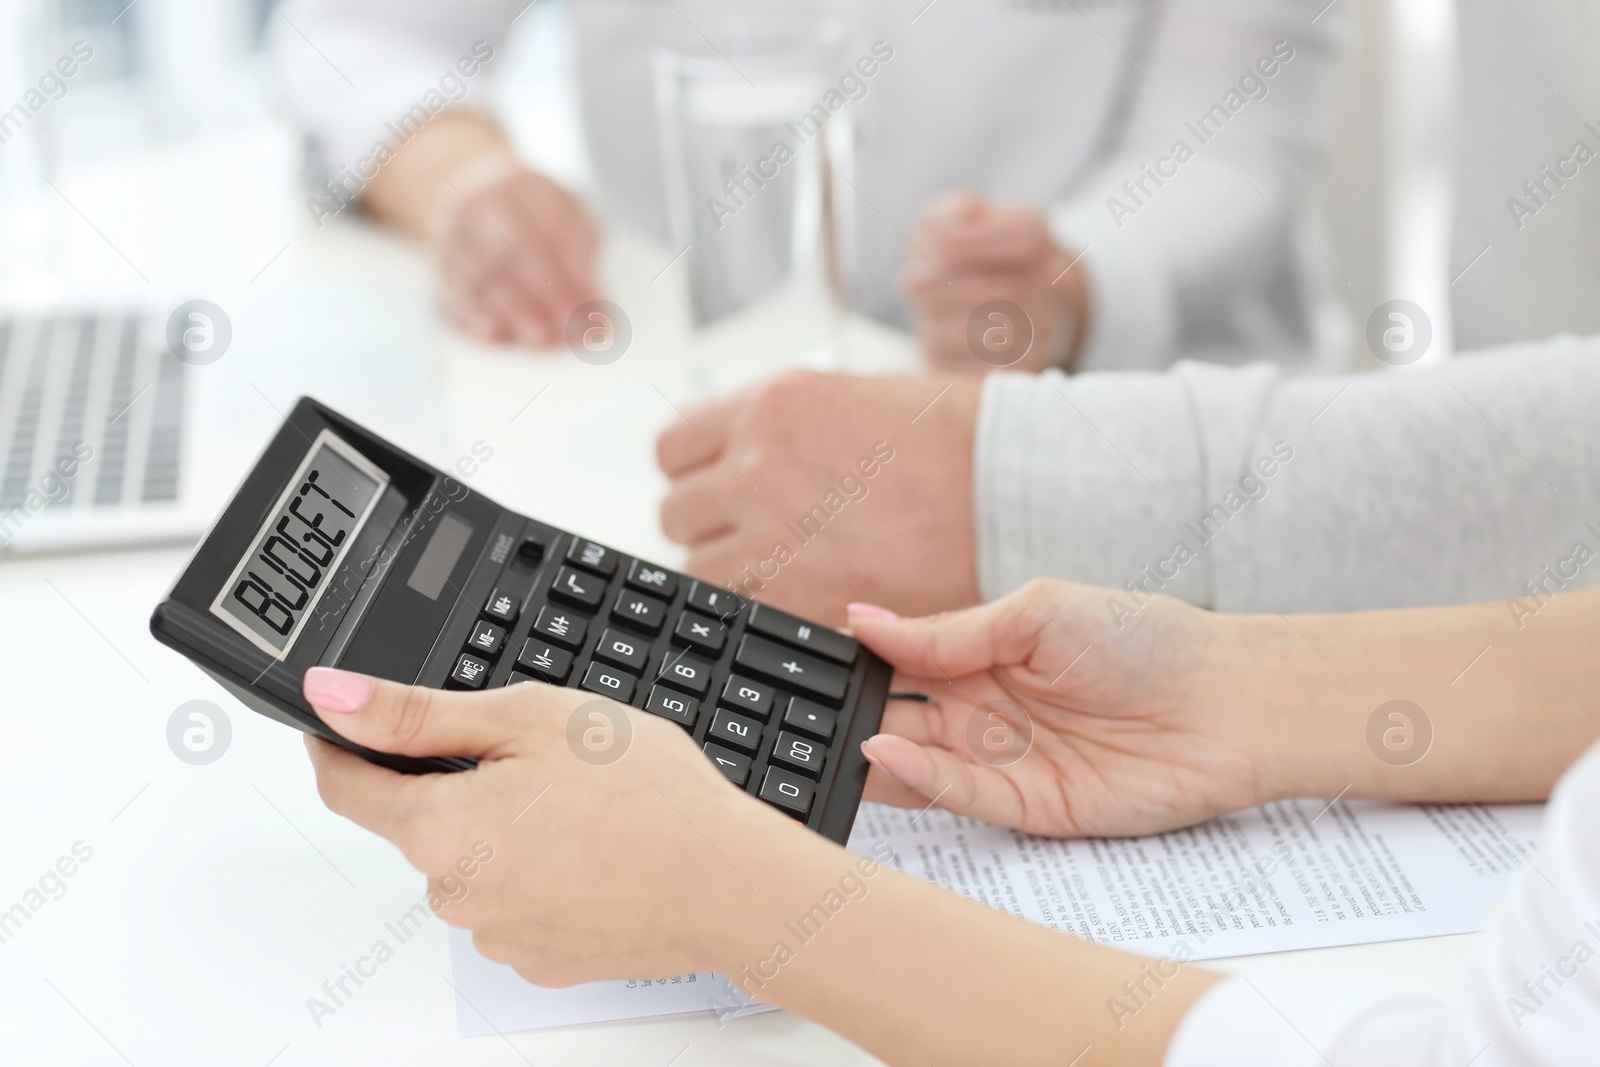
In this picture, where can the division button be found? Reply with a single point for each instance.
(636, 609)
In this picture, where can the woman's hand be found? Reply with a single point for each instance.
(1127, 735)
(591, 841)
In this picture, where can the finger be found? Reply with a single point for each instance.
(1004, 240)
(704, 505)
(529, 321)
(884, 788)
(467, 310)
(416, 721)
(946, 781)
(575, 243)
(952, 644)
(917, 722)
(371, 796)
(952, 208)
(698, 437)
(517, 248)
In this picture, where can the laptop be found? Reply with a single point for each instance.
(108, 439)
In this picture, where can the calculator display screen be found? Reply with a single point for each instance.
(293, 556)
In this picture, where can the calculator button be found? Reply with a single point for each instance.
(502, 607)
(789, 791)
(736, 765)
(647, 576)
(794, 669)
(608, 682)
(636, 609)
(791, 629)
(686, 672)
(714, 600)
(470, 671)
(486, 638)
(517, 678)
(576, 587)
(753, 698)
(701, 631)
(799, 754)
(624, 650)
(809, 718)
(733, 729)
(673, 705)
(545, 660)
(560, 626)
(597, 558)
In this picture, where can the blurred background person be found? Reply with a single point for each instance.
(1126, 174)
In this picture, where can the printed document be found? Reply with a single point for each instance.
(1295, 874)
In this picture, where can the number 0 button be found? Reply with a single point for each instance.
(787, 790)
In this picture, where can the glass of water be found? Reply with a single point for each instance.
(758, 171)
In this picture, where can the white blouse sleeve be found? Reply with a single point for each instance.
(1530, 996)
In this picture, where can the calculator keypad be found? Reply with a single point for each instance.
(763, 692)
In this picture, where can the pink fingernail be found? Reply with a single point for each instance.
(333, 690)
(871, 611)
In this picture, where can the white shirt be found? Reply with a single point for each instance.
(1530, 996)
(1055, 103)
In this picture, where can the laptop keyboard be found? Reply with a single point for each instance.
(763, 692)
(100, 379)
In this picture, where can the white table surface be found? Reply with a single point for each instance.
(219, 898)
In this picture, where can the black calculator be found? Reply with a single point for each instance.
(341, 550)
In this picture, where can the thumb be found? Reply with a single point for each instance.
(411, 720)
(945, 646)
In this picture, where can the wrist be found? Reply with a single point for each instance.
(1252, 683)
(410, 189)
(768, 866)
(1070, 288)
